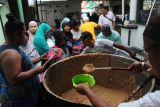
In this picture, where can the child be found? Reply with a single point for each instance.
(68, 37)
(76, 37)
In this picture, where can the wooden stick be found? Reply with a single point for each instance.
(50, 58)
(46, 63)
(112, 68)
(119, 68)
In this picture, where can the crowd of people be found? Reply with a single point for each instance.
(23, 50)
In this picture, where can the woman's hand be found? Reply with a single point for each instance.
(96, 101)
(83, 88)
(41, 68)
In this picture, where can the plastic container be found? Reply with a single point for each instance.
(83, 78)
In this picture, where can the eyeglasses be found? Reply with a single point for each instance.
(152, 47)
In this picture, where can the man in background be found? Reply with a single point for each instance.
(107, 33)
(107, 17)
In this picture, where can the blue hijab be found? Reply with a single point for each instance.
(40, 41)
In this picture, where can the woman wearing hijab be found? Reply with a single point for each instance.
(65, 20)
(40, 41)
(68, 36)
(29, 46)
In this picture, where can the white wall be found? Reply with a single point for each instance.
(74, 6)
(136, 36)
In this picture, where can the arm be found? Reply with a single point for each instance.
(23, 75)
(122, 47)
(96, 101)
(139, 66)
(106, 42)
(95, 25)
(146, 66)
(15, 75)
(37, 59)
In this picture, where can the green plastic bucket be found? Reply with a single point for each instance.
(83, 78)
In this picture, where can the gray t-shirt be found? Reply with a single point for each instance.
(105, 48)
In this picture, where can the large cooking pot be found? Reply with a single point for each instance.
(58, 77)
